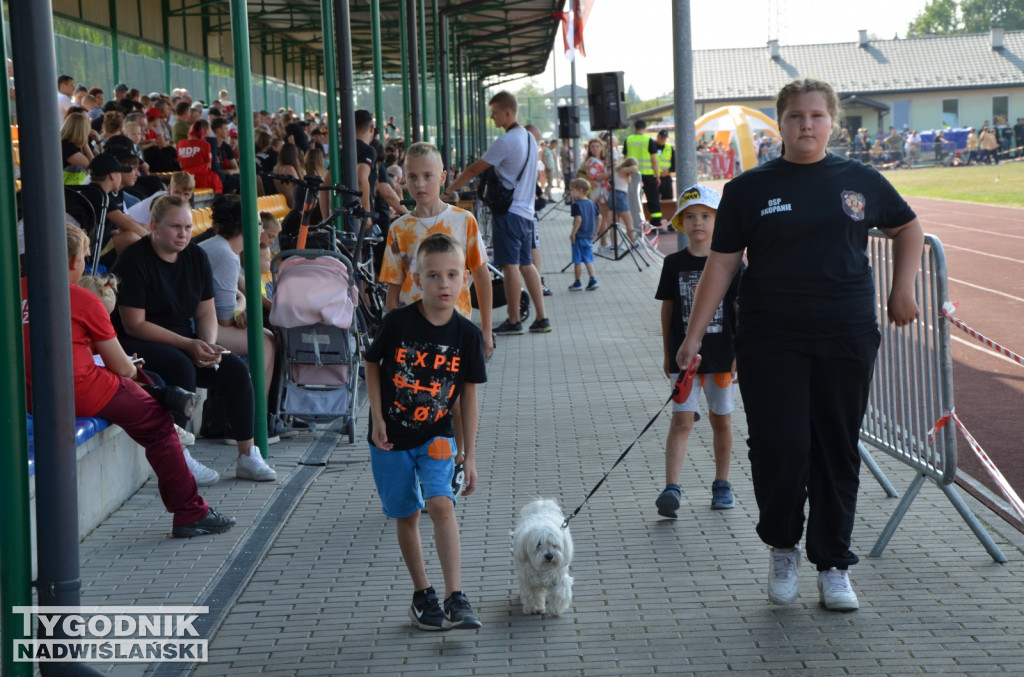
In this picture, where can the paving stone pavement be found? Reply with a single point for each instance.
(652, 596)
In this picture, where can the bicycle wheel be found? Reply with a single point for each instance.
(524, 306)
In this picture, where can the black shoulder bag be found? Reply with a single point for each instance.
(493, 192)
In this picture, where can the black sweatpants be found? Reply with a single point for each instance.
(804, 402)
(177, 369)
(653, 197)
(666, 192)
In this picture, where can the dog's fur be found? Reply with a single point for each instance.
(542, 551)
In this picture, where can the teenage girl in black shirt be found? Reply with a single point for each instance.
(807, 336)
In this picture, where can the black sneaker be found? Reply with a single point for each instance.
(541, 326)
(668, 502)
(506, 328)
(458, 615)
(426, 611)
(174, 399)
(544, 288)
(213, 523)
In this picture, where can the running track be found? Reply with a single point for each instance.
(984, 249)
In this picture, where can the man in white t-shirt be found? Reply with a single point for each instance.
(512, 154)
(65, 88)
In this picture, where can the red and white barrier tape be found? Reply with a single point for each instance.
(993, 471)
(947, 312)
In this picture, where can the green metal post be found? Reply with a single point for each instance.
(284, 63)
(115, 49)
(439, 134)
(302, 81)
(331, 83)
(423, 70)
(205, 21)
(403, 31)
(165, 10)
(250, 216)
(378, 68)
(263, 65)
(15, 530)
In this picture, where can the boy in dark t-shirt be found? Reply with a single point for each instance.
(679, 277)
(584, 225)
(425, 357)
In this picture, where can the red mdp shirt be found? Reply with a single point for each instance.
(194, 155)
(90, 324)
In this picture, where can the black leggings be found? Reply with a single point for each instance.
(177, 369)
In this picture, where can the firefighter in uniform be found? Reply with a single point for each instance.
(666, 165)
(645, 150)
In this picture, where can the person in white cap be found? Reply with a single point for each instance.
(680, 274)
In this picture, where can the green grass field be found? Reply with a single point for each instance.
(994, 185)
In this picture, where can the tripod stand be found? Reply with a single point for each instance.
(622, 246)
(618, 233)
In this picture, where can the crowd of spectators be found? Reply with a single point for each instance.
(989, 144)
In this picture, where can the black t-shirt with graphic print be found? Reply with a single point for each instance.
(679, 276)
(805, 229)
(422, 370)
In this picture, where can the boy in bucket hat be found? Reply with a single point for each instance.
(680, 274)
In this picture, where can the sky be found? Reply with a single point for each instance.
(716, 24)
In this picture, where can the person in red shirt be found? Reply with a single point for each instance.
(195, 156)
(113, 392)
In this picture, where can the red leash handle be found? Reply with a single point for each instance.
(684, 384)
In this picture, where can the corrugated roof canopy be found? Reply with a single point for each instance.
(499, 37)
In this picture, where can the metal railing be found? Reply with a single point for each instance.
(912, 388)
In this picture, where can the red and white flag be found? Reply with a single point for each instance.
(572, 28)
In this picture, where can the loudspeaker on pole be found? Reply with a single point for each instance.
(607, 101)
(568, 122)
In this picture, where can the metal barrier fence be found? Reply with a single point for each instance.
(912, 388)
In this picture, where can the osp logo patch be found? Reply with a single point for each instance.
(853, 205)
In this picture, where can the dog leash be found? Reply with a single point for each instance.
(680, 392)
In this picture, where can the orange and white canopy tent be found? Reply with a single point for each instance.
(737, 124)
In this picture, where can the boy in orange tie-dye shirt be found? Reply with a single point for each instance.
(424, 179)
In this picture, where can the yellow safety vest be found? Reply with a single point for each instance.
(636, 147)
(665, 159)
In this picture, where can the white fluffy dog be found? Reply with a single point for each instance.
(542, 550)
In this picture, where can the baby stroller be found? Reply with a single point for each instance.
(313, 308)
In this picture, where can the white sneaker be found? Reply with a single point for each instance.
(228, 442)
(783, 584)
(204, 476)
(253, 467)
(834, 590)
(187, 438)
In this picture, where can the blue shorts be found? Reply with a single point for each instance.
(619, 203)
(582, 250)
(399, 473)
(512, 238)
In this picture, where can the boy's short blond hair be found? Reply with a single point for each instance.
(183, 180)
(581, 185)
(439, 243)
(78, 241)
(423, 149)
